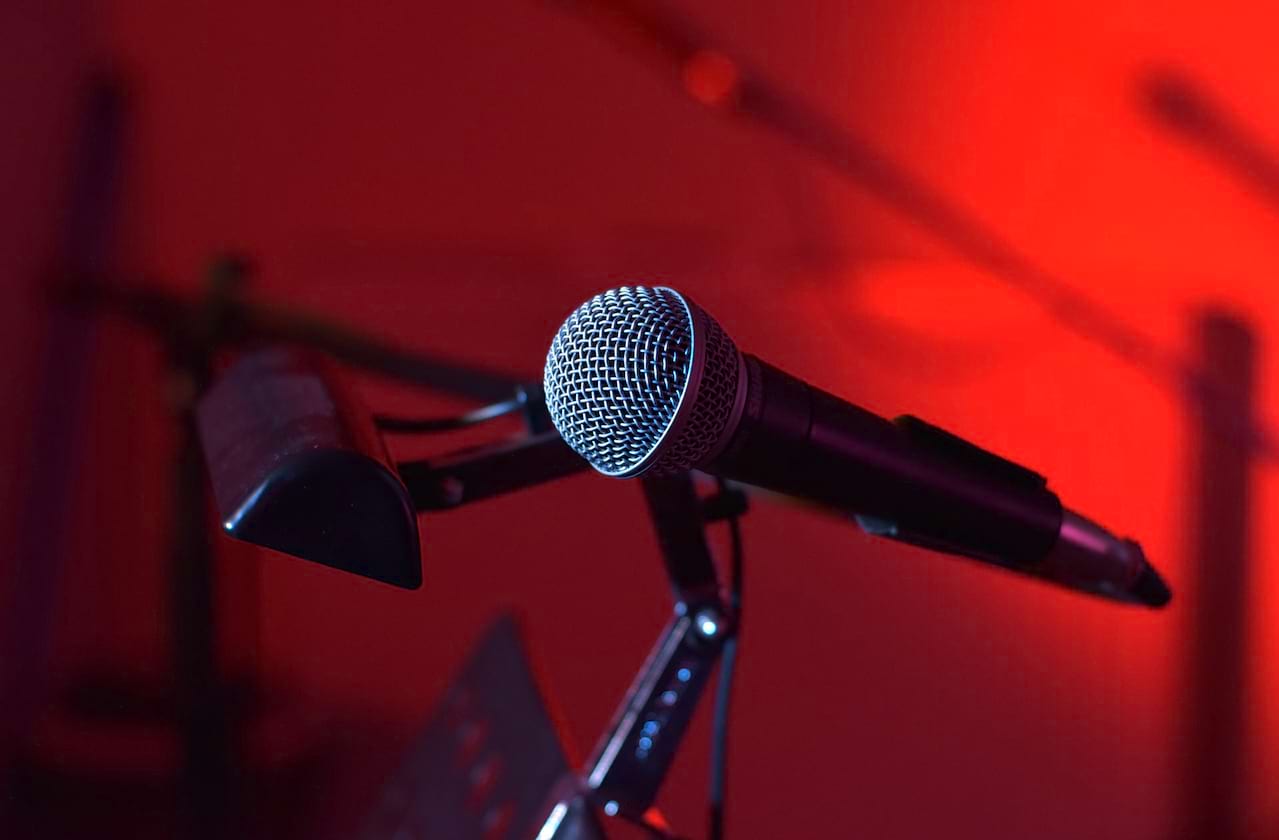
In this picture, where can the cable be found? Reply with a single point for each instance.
(448, 424)
(719, 738)
(724, 689)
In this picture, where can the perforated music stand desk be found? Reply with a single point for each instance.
(489, 764)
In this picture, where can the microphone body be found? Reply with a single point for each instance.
(643, 380)
(904, 478)
(910, 481)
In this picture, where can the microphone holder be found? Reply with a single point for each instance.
(635, 752)
(633, 757)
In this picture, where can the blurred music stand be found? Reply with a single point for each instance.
(489, 764)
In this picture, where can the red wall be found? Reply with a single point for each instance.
(459, 177)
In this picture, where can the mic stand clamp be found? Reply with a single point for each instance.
(635, 753)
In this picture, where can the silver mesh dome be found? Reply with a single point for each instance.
(640, 379)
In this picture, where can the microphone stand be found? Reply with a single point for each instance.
(634, 755)
(635, 752)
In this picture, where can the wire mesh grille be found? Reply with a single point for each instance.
(712, 408)
(617, 372)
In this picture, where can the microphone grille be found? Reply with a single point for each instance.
(640, 379)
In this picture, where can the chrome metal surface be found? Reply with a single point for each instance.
(641, 379)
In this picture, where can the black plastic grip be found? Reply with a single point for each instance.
(928, 486)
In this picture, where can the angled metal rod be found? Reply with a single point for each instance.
(245, 322)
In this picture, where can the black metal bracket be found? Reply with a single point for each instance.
(636, 752)
(632, 759)
(478, 473)
(492, 469)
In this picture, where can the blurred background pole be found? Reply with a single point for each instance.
(55, 440)
(1217, 647)
(209, 740)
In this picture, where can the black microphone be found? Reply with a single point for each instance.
(642, 380)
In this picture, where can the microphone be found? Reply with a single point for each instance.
(642, 380)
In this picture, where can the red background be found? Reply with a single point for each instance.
(457, 177)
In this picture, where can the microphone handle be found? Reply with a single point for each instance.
(903, 478)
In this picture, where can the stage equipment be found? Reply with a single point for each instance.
(489, 754)
(638, 381)
(286, 449)
(489, 763)
(298, 465)
(642, 381)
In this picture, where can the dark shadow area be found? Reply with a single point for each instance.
(1180, 105)
(57, 408)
